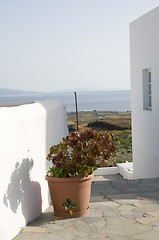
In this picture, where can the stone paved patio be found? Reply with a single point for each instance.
(119, 210)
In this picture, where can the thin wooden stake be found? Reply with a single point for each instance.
(76, 110)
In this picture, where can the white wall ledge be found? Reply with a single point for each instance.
(124, 169)
(26, 134)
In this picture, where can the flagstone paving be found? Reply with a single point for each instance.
(119, 210)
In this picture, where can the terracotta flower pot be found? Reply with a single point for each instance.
(76, 189)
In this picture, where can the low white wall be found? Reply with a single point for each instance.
(144, 52)
(26, 134)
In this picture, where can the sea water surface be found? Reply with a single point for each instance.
(86, 100)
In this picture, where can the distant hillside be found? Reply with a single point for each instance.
(6, 91)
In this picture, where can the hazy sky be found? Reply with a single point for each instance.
(49, 45)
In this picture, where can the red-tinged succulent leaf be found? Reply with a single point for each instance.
(77, 152)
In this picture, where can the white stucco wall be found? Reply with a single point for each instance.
(144, 53)
(26, 133)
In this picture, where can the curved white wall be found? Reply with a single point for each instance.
(144, 53)
(26, 133)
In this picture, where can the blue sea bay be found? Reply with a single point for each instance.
(87, 100)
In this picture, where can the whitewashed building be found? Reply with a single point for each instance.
(144, 61)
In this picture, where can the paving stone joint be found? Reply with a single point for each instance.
(119, 210)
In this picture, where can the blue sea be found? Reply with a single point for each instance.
(87, 101)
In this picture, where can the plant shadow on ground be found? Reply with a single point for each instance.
(48, 217)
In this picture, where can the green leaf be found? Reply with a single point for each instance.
(65, 205)
(73, 205)
(68, 202)
(56, 175)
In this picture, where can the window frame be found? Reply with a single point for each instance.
(147, 89)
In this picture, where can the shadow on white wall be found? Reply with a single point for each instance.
(24, 192)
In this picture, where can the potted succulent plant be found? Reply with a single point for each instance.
(70, 177)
